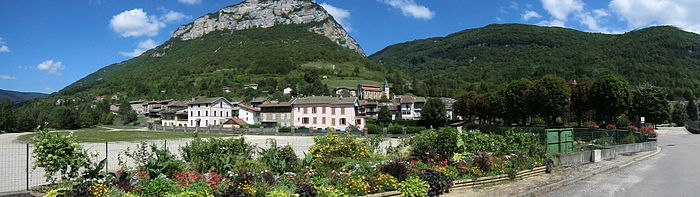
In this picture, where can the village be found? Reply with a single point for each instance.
(348, 110)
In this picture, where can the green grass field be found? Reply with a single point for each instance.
(348, 83)
(114, 136)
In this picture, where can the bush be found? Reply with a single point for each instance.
(475, 141)
(383, 182)
(280, 193)
(356, 186)
(435, 144)
(439, 182)
(396, 169)
(374, 129)
(413, 187)
(215, 154)
(285, 130)
(153, 160)
(522, 142)
(306, 190)
(58, 154)
(395, 129)
(331, 146)
(156, 187)
(279, 159)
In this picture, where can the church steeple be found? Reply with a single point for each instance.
(386, 89)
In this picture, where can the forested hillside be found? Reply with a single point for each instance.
(15, 96)
(483, 59)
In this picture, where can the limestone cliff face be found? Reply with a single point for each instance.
(268, 13)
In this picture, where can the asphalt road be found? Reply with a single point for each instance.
(675, 171)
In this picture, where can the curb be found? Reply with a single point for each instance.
(565, 182)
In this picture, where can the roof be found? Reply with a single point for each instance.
(406, 99)
(371, 89)
(366, 102)
(325, 100)
(235, 121)
(178, 103)
(249, 108)
(207, 100)
(159, 102)
(420, 99)
(259, 100)
(137, 101)
(370, 85)
(280, 104)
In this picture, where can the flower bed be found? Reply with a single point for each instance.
(338, 165)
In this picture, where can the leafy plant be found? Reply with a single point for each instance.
(396, 169)
(155, 187)
(306, 190)
(413, 187)
(435, 144)
(215, 154)
(279, 159)
(439, 182)
(153, 160)
(58, 154)
(331, 146)
(382, 182)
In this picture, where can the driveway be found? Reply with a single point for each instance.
(675, 171)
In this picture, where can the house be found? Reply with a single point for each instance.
(227, 89)
(114, 109)
(320, 112)
(234, 123)
(276, 114)
(411, 106)
(343, 91)
(174, 114)
(99, 98)
(369, 92)
(368, 109)
(152, 109)
(448, 106)
(256, 102)
(115, 97)
(249, 114)
(60, 102)
(206, 112)
(137, 106)
(287, 91)
(253, 86)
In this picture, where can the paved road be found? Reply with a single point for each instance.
(675, 171)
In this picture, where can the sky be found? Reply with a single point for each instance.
(46, 45)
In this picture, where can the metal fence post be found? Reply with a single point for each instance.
(27, 169)
(165, 144)
(106, 156)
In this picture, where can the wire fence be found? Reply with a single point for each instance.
(16, 173)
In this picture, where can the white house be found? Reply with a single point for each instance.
(207, 112)
(250, 115)
(411, 107)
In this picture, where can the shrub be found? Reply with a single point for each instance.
(153, 160)
(396, 169)
(475, 141)
(284, 130)
(630, 138)
(356, 186)
(383, 182)
(413, 187)
(58, 154)
(280, 193)
(306, 190)
(330, 191)
(374, 129)
(435, 144)
(521, 142)
(57, 192)
(331, 146)
(215, 154)
(155, 187)
(439, 182)
(395, 129)
(279, 159)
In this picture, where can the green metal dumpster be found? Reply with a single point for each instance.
(560, 140)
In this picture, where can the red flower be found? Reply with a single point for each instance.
(120, 172)
(137, 189)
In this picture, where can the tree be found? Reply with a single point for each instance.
(356, 71)
(434, 114)
(480, 107)
(692, 110)
(127, 114)
(7, 116)
(679, 116)
(581, 98)
(610, 96)
(85, 119)
(514, 100)
(63, 117)
(384, 115)
(650, 102)
(26, 121)
(548, 97)
(462, 105)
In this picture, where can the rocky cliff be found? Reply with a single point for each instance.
(268, 13)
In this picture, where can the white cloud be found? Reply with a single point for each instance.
(135, 23)
(530, 15)
(410, 8)
(191, 2)
(52, 67)
(640, 13)
(4, 48)
(172, 16)
(560, 9)
(142, 46)
(7, 77)
(339, 14)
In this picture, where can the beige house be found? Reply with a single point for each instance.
(276, 114)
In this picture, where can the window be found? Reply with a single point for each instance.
(323, 110)
(342, 111)
(343, 121)
(198, 114)
(226, 114)
(305, 121)
(274, 116)
(332, 121)
(313, 110)
(206, 113)
(323, 120)
(358, 122)
(314, 120)
(199, 105)
(305, 110)
(206, 122)
(333, 110)
(214, 113)
(191, 113)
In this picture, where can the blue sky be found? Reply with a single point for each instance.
(47, 44)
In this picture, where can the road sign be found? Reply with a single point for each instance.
(641, 119)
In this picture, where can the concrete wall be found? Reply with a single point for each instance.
(609, 153)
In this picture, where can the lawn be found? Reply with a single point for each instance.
(348, 83)
(102, 136)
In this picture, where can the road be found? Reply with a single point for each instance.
(675, 171)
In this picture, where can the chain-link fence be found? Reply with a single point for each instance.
(16, 173)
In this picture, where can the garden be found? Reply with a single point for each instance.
(338, 164)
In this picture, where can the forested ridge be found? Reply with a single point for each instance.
(483, 59)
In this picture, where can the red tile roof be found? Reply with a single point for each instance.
(235, 121)
(249, 108)
(370, 85)
(371, 89)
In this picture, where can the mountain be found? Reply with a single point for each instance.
(270, 42)
(483, 59)
(15, 96)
